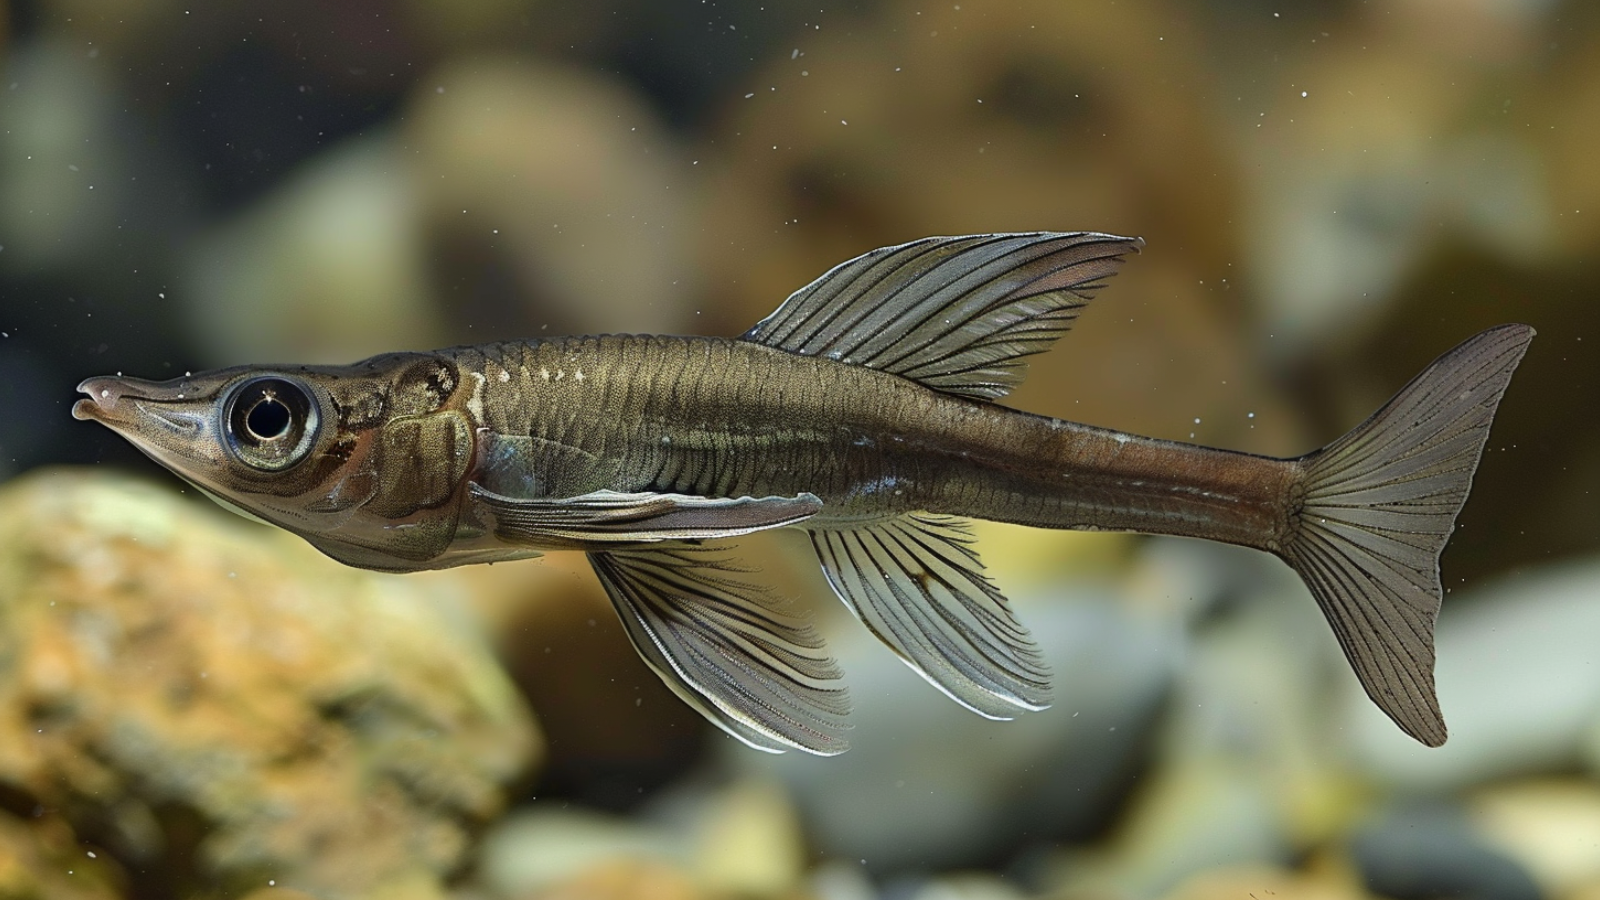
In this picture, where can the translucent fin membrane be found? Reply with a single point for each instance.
(723, 646)
(1379, 505)
(916, 583)
(958, 314)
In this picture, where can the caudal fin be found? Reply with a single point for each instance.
(1378, 506)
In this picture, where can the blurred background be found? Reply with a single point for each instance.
(1333, 193)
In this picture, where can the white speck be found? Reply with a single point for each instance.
(1197, 420)
(748, 96)
(578, 375)
(92, 856)
(795, 53)
(843, 122)
(104, 393)
(504, 376)
(1302, 93)
(545, 374)
(1250, 415)
(73, 168)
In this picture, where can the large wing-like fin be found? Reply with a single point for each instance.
(919, 586)
(722, 645)
(958, 314)
(609, 517)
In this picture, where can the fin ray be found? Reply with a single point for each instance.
(1379, 505)
(958, 314)
(724, 647)
(916, 584)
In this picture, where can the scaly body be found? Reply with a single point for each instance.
(722, 418)
(860, 411)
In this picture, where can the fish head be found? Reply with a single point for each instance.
(367, 462)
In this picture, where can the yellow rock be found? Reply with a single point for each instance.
(750, 841)
(1263, 882)
(625, 880)
(1551, 826)
(207, 690)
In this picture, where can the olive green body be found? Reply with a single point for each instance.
(726, 418)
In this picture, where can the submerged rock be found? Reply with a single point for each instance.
(739, 839)
(223, 708)
(1417, 852)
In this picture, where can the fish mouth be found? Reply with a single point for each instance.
(104, 394)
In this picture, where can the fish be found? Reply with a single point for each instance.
(864, 411)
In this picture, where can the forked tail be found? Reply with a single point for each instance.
(1376, 508)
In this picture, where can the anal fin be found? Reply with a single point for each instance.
(918, 585)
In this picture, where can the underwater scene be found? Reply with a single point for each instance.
(539, 618)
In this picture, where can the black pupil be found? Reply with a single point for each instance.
(268, 419)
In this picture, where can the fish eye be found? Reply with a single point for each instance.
(271, 423)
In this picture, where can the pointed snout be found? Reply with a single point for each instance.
(106, 393)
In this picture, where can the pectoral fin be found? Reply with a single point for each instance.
(916, 583)
(721, 644)
(611, 518)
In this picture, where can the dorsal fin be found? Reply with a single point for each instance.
(958, 314)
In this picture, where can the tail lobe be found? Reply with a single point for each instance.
(1376, 509)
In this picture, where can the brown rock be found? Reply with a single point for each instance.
(221, 706)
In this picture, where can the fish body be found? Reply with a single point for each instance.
(861, 411)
